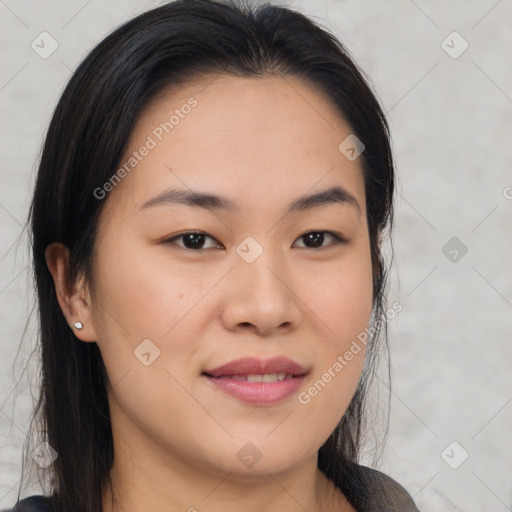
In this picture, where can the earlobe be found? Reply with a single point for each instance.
(72, 297)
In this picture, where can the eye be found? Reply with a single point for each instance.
(316, 239)
(195, 240)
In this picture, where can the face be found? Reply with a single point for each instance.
(263, 275)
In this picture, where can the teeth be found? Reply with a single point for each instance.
(268, 377)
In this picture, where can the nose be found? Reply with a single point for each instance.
(261, 298)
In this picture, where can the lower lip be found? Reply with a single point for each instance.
(258, 393)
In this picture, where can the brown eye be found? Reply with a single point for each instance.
(192, 240)
(315, 239)
(195, 240)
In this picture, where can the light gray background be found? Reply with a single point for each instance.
(451, 123)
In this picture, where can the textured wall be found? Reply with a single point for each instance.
(450, 110)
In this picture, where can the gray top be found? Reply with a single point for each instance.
(368, 491)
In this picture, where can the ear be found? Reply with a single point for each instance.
(74, 299)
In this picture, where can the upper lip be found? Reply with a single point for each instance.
(255, 366)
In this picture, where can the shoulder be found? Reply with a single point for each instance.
(32, 504)
(371, 490)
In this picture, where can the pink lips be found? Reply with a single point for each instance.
(270, 381)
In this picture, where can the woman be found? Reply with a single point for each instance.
(207, 222)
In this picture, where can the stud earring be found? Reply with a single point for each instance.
(78, 325)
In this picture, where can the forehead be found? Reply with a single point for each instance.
(251, 139)
(278, 109)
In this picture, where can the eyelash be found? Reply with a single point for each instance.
(338, 239)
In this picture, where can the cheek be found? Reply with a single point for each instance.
(341, 299)
(142, 299)
(340, 296)
(149, 295)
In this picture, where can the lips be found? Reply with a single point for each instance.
(240, 369)
(258, 382)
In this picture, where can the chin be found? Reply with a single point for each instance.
(254, 457)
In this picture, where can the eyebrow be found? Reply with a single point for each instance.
(189, 197)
